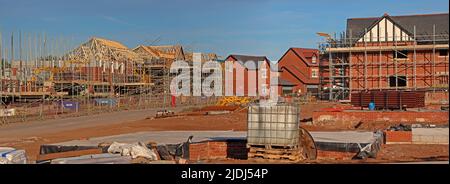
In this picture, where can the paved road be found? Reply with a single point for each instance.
(13, 131)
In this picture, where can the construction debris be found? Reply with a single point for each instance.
(400, 127)
(371, 149)
(7, 112)
(12, 156)
(134, 150)
(164, 114)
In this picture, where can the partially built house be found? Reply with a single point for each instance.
(408, 52)
(42, 76)
(103, 68)
(157, 61)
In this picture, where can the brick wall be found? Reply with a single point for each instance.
(381, 116)
(398, 137)
(250, 80)
(235, 149)
(439, 97)
(379, 77)
(297, 71)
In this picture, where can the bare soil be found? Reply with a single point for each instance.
(196, 120)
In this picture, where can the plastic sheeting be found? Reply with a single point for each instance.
(47, 149)
(371, 149)
(12, 156)
(134, 150)
(105, 158)
(354, 142)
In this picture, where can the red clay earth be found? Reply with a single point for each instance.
(235, 121)
(210, 122)
(388, 154)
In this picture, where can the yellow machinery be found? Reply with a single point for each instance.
(233, 100)
(55, 70)
(51, 70)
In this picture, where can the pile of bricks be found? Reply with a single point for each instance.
(221, 149)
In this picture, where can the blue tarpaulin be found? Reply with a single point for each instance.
(105, 101)
(70, 105)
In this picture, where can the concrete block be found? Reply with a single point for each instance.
(326, 118)
(430, 135)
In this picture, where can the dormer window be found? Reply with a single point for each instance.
(314, 60)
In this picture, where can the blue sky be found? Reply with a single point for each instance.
(255, 27)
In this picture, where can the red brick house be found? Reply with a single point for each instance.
(407, 52)
(299, 71)
(250, 66)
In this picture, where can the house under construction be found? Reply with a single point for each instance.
(386, 53)
(37, 67)
(104, 67)
(156, 63)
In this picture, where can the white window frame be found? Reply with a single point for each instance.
(264, 89)
(314, 73)
(263, 73)
(314, 59)
(230, 68)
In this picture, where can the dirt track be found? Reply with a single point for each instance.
(31, 142)
(30, 139)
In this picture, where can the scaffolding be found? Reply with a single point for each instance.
(355, 64)
(40, 75)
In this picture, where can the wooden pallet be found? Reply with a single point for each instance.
(270, 147)
(274, 154)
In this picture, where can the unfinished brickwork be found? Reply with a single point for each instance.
(355, 116)
(388, 53)
(398, 137)
(223, 149)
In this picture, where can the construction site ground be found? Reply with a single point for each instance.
(31, 135)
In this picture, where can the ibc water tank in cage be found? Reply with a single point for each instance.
(275, 125)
